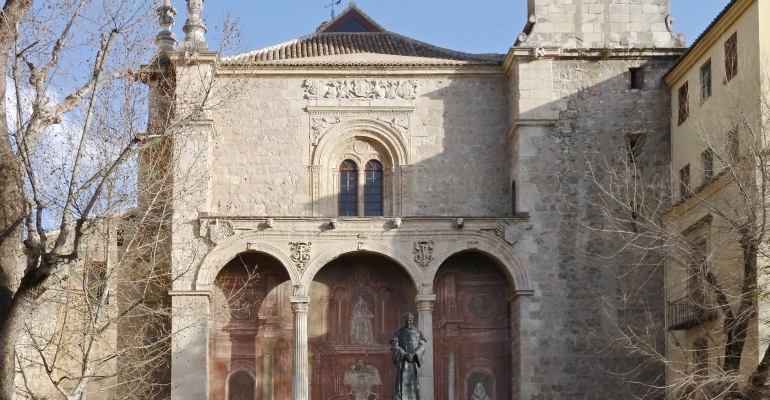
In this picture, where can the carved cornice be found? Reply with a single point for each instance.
(359, 69)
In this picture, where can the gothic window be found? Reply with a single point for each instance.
(348, 189)
(241, 386)
(373, 189)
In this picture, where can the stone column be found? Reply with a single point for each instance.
(452, 376)
(268, 350)
(189, 345)
(361, 190)
(425, 325)
(300, 380)
(524, 346)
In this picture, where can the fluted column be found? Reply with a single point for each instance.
(425, 325)
(300, 377)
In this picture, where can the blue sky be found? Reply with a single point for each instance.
(479, 26)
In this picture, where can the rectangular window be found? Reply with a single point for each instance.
(684, 106)
(705, 81)
(637, 78)
(684, 181)
(733, 146)
(120, 237)
(731, 57)
(707, 159)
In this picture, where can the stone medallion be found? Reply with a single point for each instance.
(480, 305)
(241, 307)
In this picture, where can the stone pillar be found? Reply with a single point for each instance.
(452, 376)
(524, 347)
(361, 190)
(300, 379)
(425, 325)
(189, 345)
(268, 350)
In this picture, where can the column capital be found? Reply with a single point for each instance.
(425, 302)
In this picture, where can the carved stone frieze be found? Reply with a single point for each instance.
(423, 252)
(300, 254)
(299, 307)
(360, 88)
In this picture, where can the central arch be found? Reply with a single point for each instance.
(356, 303)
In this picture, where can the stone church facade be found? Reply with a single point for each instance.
(358, 174)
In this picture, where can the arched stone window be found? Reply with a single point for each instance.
(348, 189)
(240, 386)
(373, 189)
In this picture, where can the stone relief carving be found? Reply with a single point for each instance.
(300, 254)
(361, 323)
(219, 230)
(299, 307)
(360, 88)
(423, 252)
(509, 232)
(361, 378)
(320, 125)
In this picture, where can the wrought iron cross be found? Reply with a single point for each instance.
(332, 4)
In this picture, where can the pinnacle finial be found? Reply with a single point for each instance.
(165, 39)
(194, 28)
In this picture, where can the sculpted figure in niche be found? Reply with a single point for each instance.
(407, 352)
(361, 378)
(361, 323)
(479, 393)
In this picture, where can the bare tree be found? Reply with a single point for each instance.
(86, 180)
(707, 226)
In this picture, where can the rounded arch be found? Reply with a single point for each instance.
(222, 254)
(330, 254)
(517, 274)
(380, 132)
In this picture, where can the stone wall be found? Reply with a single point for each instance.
(580, 285)
(455, 131)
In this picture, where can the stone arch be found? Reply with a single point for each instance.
(389, 138)
(328, 255)
(500, 251)
(224, 252)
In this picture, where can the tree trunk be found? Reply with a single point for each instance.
(11, 209)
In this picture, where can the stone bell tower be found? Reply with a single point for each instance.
(600, 24)
(586, 89)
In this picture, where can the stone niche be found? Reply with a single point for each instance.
(357, 302)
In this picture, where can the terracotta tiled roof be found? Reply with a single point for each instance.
(327, 44)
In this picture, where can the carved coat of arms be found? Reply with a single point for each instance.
(300, 254)
(423, 252)
(361, 378)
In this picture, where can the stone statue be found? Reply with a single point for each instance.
(361, 323)
(361, 378)
(479, 393)
(407, 352)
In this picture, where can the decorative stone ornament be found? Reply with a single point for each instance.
(361, 89)
(397, 223)
(194, 28)
(459, 223)
(165, 39)
(300, 254)
(220, 230)
(270, 223)
(423, 252)
(333, 223)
